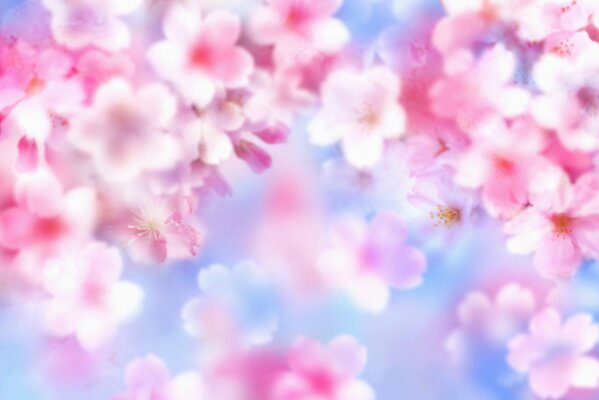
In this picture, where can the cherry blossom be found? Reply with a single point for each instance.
(324, 372)
(81, 23)
(560, 225)
(553, 353)
(232, 307)
(199, 54)
(299, 30)
(566, 77)
(447, 205)
(468, 95)
(126, 132)
(367, 260)
(148, 378)
(156, 231)
(86, 297)
(501, 161)
(361, 110)
(490, 320)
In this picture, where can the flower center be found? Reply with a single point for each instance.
(588, 100)
(34, 86)
(445, 216)
(562, 224)
(369, 118)
(503, 165)
(563, 48)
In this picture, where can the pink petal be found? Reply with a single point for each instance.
(348, 357)
(557, 257)
(258, 159)
(27, 159)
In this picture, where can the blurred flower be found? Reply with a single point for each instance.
(553, 353)
(126, 132)
(468, 95)
(237, 307)
(148, 378)
(490, 322)
(324, 372)
(81, 23)
(361, 110)
(86, 296)
(199, 54)
(299, 30)
(367, 260)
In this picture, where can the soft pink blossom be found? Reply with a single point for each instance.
(199, 54)
(81, 23)
(501, 161)
(299, 30)
(148, 378)
(361, 110)
(569, 91)
(493, 320)
(553, 353)
(366, 260)
(318, 372)
(156, 231)
(476, 88)
(560, 226)
(126, 132)
(86, 297)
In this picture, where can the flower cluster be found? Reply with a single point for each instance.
(125, 124)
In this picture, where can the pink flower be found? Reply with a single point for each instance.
(199, 54)
(492, 320)
(126, 132)
(149, 378)
(501, 161)
(235, 309)
(156, 232)
(367, 260)
(448, 206)
(361, 110)
(77, 24)
(553, 353)
(276, 98)
(561, 225)
(536, 21)
(319, 372)
(474, 89)
(86, 296)
(569, 98)
(299, 30)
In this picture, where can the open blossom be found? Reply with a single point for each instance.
(553, 353)
(538, 20)
(367, 260)
(487, 321)
(501, 162)
(199, 54)
(318, 372)
(361, 110)
(126, 132)
(299, 30)
(148, 378)
(276, 98)
(569, 98)
(448, 206)
(236, 306)
(468, 93)
(86, 296)
(156, 231)
(561, 225)
(81, 23)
